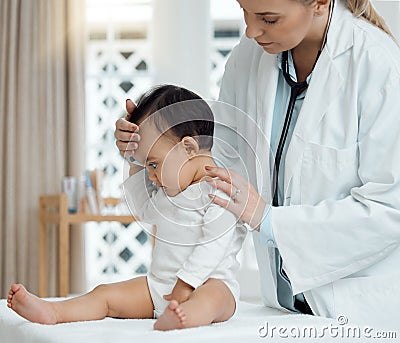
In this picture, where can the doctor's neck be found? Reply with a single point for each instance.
(305, 53)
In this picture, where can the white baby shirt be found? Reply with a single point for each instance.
(195, 240)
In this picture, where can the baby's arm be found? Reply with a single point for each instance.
(219, 230)
(138, 191)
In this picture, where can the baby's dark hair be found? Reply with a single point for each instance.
(192, 117)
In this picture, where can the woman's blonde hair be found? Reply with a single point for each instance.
(364, 9)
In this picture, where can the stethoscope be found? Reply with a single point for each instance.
(296, 88)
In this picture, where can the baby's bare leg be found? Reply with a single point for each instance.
(210, 303)
(127, 299)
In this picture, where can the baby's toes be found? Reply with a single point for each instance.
(183, 319)
(180, 314)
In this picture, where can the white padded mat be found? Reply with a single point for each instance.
(244, 327)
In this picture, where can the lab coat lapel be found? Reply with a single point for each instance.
(322, 91)
(325, 84)
(267, 80)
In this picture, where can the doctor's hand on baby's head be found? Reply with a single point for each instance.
(127, 133)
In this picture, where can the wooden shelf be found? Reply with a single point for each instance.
(84, 218)
(81, 218)
(53, 209)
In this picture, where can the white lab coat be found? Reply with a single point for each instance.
(339, 229)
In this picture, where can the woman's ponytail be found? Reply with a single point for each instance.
(365, 9)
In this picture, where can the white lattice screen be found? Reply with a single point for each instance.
(119, 66)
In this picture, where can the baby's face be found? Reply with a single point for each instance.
(166, 161)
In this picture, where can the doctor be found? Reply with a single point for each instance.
(321, 79)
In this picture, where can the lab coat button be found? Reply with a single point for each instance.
(270, 243)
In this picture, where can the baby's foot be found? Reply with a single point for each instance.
(30, 306)
(172, 318)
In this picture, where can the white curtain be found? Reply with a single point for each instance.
(42, 105)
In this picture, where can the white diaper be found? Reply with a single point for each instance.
(158, 289)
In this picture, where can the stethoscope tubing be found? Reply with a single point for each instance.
(296, 88)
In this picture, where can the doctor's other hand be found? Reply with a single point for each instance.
(244, 202)
(180, 292)
(127, 133)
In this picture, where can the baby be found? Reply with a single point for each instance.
(191, 281)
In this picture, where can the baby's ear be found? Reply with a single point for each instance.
(191, 146)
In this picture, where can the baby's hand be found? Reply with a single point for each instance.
(180, 293)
